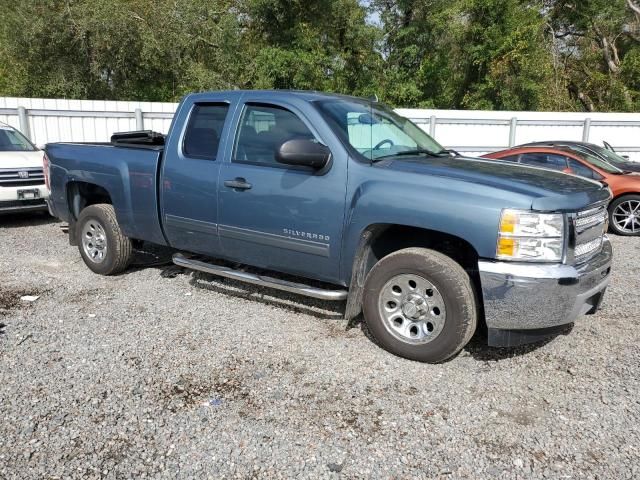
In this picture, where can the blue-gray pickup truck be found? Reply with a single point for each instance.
(344, 200)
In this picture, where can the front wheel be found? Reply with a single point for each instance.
(624, 215)
(420, 304)
(103, 246)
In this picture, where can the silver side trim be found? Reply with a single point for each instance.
(292, 287)
(190, 225)
(272, 240)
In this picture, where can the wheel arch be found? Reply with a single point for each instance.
(83, 194)
(380, 240)
(80, 195)
(622, 194)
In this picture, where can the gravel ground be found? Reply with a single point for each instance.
(161, 373)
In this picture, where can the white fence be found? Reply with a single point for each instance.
(54, 120)
(471, 132)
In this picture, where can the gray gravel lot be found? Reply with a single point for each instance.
(153, 374)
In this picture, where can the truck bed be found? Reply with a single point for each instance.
(128, 172)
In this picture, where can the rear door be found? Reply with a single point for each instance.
(277, 216)
(190, 170)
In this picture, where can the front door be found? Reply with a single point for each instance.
(276, 216)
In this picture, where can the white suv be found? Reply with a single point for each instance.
(22, 181)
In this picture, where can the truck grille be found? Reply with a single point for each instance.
(21, 177)
(590, 227)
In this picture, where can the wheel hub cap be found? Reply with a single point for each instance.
(94, 241)
(415, 307)
(626, 216)
(412, 309)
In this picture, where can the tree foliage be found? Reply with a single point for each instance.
(488, 54)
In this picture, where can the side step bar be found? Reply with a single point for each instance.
(299, 288)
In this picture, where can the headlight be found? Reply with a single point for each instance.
(529, 236)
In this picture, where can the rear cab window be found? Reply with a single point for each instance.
(204, 130)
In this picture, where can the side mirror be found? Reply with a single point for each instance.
(626, 157)
(303, 152)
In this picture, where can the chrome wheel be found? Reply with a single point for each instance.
(94, 241)
(626, 216)
(412, 308)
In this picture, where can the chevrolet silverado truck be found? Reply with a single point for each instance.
(345, 200)
(22, 182)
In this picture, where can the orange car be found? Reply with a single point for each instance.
(624, 209)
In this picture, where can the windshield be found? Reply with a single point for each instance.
(612, 157)
(598, 162)
(375, 131)
(13, 141)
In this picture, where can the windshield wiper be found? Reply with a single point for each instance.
(449, 151)
(408, 152)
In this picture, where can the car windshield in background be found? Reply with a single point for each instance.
(612, 157)
(13, 141)
(376, 132)
(598, 162)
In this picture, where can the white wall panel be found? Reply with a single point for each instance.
(473, 132)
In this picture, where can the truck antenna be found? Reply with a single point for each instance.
(372, 99)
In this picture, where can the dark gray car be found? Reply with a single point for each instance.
(606, 154)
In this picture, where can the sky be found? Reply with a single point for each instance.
(373, 17)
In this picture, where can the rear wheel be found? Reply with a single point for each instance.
(103, 246)
(420, 304)
(624, 215)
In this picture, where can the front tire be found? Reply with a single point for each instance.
(624, 215)
(103, 246)
(420, 304)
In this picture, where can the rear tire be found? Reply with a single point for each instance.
(103, 246)
(624, 215)
(420, 304)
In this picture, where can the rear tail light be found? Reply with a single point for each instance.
(45, 169)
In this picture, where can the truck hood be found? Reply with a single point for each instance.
(548, 190)
(19, 159)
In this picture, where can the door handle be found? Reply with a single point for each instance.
(238, 184)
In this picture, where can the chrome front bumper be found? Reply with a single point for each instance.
(521, 296)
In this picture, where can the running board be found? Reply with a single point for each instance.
(292, 287)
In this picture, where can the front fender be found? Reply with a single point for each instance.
(472, 216)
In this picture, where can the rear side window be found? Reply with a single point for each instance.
(579, 169)
(545, 160)
(204, 130)
(510, 158)
(263, 129)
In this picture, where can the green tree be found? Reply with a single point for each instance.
(489, 54)
(161, 49)
(313, 44)
(598, 42)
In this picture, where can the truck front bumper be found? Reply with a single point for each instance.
(526, 302)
